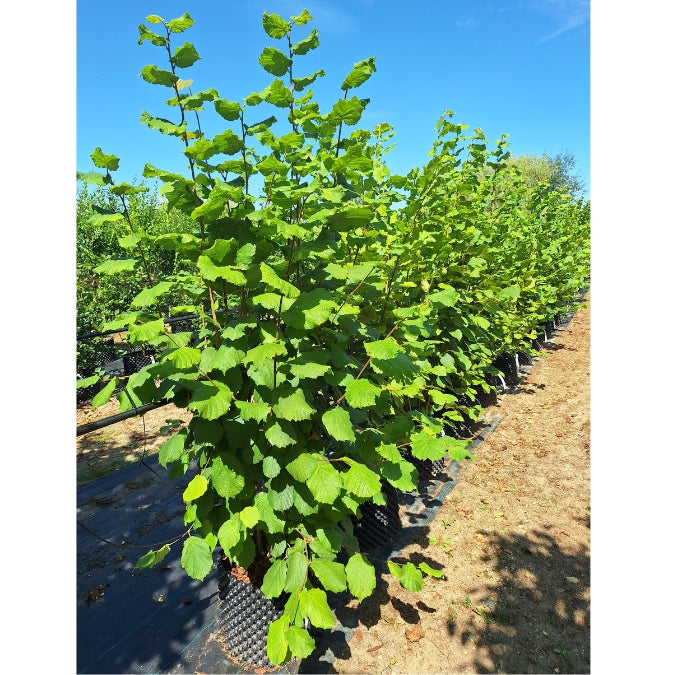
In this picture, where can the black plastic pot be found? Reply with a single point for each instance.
(426, 468)
(506, 363)
(137, 359)
(378, 525)
(486, 399)
(244, 620)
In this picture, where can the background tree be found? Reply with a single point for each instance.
(556, 171)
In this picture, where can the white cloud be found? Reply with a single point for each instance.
(569, 14)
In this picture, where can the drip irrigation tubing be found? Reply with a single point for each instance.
(170, 320)
(119, 417)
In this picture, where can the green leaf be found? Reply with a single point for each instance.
(277, 437)
(361, 481)
(223, 359)
(426, 446)
(303, 46)
(103, 161)
(230, 110)
(302, 466)
(226, 481)
(383, 349)
(146, 34)
(212, 272)
(210, 399)
(294, 407)
(361, 393)
(148, 296)
(253, 411)
(164, 127)
(146, 332)
(229, 533)
(438, 574)
(103, 396)
(271, 278)
(331, 574)
(116, 266)
(172, 449)
(310, 309)
(348, 111)
(300, 642)
(155, 75)
(299, 83)
(249, 516)
(510, 292)
(271, 165)
(185, 357)
(275, 579)
(195, 488)
(274, 61)
(325, 482)
(277, 645)
(270, 466)
(360, 576)
(314, 605)
(411, 578)
(297, 572)
(267, 350)
(91, 178)
(196, 559)
(181, 23)
(185, 56)
(338, 424)
(360, 73)
(268, 518)
(302, 18)
(278, 94)
(274, 25)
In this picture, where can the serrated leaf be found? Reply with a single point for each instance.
(294, 407)
(310, 42)
(314, 605)
(275, 579)
(267, 350)
(155, 75)
(325, 482)
(210, 399)
(180, 24)
(338, 424)
(297, 572)
(438, 574)
(172, 449)
(300, 642)
(226, 481)
(310, 309)
(116, 266)
(223, 359)
(360, 576)
(359, 74)
(196, 559)
(277, 437)
(426, 446)
(411, 578)
(361, 393)
(103, 396)
(105, 161)
(195, 488)
(278, 94)
(274, 61)
(362, 481)
(230, 110)
(348, 111)
(185, 357)
(268, 518)
(253, 411)
(277, 645)
(383, 349)
(274, 25)
(185, 56)
(331, 574)
(302, 466)
(229, 534)
(249, 516)
(146, 332)
(271, 467)
(271, 278)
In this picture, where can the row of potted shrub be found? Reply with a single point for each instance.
(348, 316)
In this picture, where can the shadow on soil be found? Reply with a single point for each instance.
(536, 616)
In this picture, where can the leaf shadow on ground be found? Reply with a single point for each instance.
(535, 617)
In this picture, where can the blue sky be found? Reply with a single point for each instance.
(516, 67)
